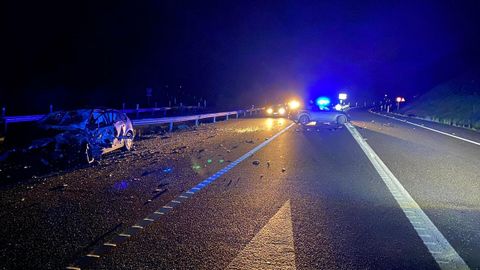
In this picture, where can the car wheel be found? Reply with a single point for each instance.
(128, 141)
(88, 153)
(304, 120)
(341, 119)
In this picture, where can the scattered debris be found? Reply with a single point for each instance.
(266, 139)
(261, 176)
(165, 137)
(249, 141)
(283, 169)
(256, 162)
(201, 150)
(268, 163)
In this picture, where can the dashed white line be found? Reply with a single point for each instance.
(192, 191)
(445, 256)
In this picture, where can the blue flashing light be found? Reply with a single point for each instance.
(323, 101)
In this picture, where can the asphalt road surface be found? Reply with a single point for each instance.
(256, 193)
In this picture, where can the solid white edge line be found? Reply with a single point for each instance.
(428, 128)
(439, 247)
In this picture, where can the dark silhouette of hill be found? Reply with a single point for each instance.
(455, 102)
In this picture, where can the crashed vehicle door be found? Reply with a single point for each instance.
(103, 131)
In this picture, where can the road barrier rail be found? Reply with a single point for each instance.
(179, 119)
(149, 121)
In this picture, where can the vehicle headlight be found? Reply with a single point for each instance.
(269, 110)
(281, 111)
(294, 104)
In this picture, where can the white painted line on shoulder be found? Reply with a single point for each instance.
(428, 128)
(445, 256)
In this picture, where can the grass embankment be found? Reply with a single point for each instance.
(456, 102)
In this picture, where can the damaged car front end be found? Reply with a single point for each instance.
(75, 136)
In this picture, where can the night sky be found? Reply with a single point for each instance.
(99, 53)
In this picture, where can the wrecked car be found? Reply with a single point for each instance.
(79, 135)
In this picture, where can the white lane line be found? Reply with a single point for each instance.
(176, 202)
(428, 128)
(445, 255)
(272, 247)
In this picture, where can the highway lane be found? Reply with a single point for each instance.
(314, 201)
(48, 222)
(441, 173)
(341, 215)
(453, 131)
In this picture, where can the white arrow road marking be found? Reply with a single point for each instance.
(441, 250)
(272, 247)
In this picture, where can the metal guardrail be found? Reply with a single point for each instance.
(33, 118)
(196, 118)
(23, 118)
(150, 121)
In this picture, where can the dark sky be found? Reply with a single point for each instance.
(79, 53)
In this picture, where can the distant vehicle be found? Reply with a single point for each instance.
(81, 135)
(279, 110)
(304, 117)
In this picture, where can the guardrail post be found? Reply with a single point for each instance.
(205, 103)
(227, 117)
(171, 126)
(214, 119)
(123, 107)
(4, 111)
(138, 107)
(244, 113)
(236, 114)
(196, 122)
(164, 112)
(51, 108)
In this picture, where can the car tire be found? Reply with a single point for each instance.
(304, 120)
(88, 153)
(341, 119)
(128, 141)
